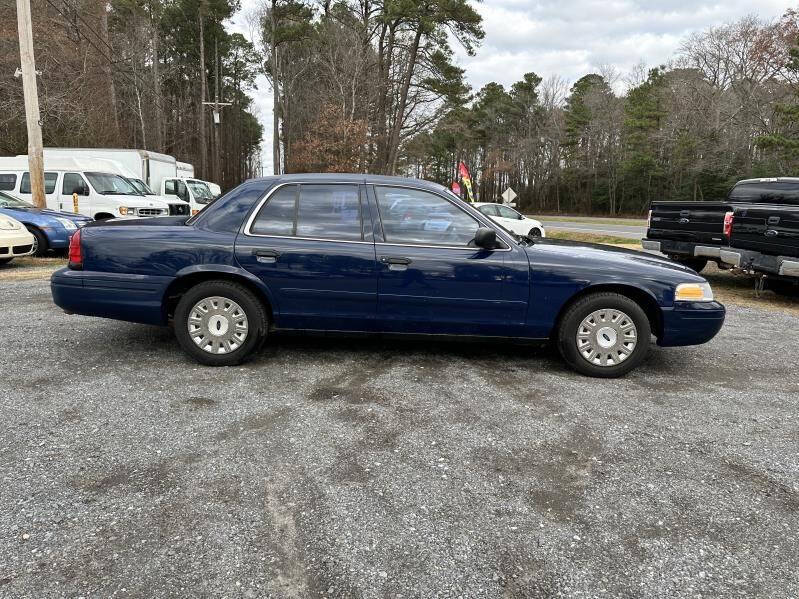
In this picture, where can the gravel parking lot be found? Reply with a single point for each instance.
(359, 468)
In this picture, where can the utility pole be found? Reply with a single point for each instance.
(217, 118)
(203, 153)
(28, 64)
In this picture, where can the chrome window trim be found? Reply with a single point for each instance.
(248, 225)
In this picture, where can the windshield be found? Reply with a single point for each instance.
(106, 183)
(9, 201)
(140, 186)
(200, 190)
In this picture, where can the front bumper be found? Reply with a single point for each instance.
(681, 248)
(785, 266)
(15, 243)
(691, 323)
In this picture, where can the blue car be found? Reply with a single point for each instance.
(381, 255)
(51, 229)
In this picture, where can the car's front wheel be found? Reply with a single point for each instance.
(604, 335)
(220, 323)
(534, 232)
(40, 244)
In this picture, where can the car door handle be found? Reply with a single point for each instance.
(395, 262)
(266, 256)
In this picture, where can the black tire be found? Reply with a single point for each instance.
(5, 261)
(582, 309)
(41, 244)
(697, 264)
(783, 287)
(252, 307)
(534, 232)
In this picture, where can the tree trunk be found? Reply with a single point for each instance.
(275, 94)
(399, 119)
(201, 106)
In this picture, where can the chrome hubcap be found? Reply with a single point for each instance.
(606, 337)
(218, 325)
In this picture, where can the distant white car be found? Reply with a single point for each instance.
(511, 220)
(15, 240)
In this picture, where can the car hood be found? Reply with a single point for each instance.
(138, 201)
(599, 256)
(22, 211)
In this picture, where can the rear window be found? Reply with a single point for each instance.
(777, 192)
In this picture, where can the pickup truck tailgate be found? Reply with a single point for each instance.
(698, 222)
(766, 228)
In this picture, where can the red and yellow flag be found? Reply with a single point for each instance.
(466, 179)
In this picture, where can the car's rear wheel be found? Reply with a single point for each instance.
(697, 264)
(220, 323)
(40, 244)
(534, 232)
(604, 335)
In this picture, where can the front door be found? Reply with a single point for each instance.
(432, 277)
(312, 245)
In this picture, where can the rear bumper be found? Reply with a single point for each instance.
(130, 297)
(681, 248)
(785, 266)
(691, 323)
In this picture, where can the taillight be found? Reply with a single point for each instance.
(75, 252)
(728, 224)
(649, 220)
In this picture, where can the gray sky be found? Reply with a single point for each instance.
(568, 38)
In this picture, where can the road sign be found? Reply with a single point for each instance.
(509, 195)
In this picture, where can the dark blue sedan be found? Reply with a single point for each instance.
(51, 229)
(383, 255)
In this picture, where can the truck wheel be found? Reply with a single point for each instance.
(220, 323)
(40, 243)
(604, 335)
(696, 264)
(783, 287)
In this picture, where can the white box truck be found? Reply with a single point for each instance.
(101, 192)
(158, 176)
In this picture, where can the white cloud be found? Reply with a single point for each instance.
(568, 38)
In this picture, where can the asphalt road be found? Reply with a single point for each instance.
(597, 228)
(355, 468)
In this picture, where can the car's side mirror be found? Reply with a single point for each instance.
(485, 238)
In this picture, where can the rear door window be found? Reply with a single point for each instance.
(8, 182)
(329, 212)
(277, 216)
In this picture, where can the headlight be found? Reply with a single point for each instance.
(693, 292)
(8, 225)
(68, 224)
(124, 211)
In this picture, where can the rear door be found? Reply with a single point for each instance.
(312, 245)
(432, 279)
(75, 183)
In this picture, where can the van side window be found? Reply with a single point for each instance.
(49, 182)
(74, 183)
(8, 182)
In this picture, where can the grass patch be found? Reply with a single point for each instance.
(593, 238)
(22, 269)
(632, 222)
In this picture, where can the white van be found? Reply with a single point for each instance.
(194, 191)
(102, 193)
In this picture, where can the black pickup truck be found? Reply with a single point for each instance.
(693, 233)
